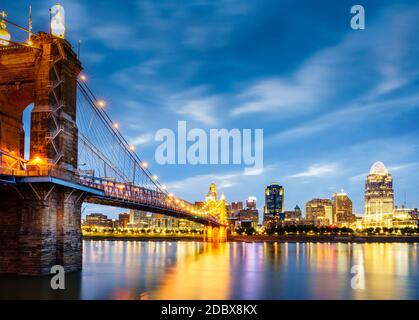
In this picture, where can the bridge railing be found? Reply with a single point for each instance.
(131, 193)
(113, 190)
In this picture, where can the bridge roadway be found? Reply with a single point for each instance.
(109, 193)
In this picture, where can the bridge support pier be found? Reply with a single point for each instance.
(215, 234)
(40, 227)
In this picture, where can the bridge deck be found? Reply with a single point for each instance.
(109, 193)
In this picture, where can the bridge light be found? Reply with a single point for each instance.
(132, 148)
(145, 165)
(155, 178)
(101, 103)
(163, 187)
(4, 34)
(58, 21)
(115, 125)
(83, 78)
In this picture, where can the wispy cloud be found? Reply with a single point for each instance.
(385, 52)
(141, 139)
(356, 113)
(317, 170)
(278, 95)
(196, 104)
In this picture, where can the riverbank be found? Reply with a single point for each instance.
(264, 238)
(325, 238)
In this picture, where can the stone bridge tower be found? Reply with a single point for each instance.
(39, 219)
(216, 207)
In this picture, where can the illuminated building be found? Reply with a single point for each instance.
(342, 209)
(251, 203)
(236, 207)
(248, 218)
(123, 220)
(379, 197)
(293, 217)
(274, 204)
(97, 220)
(319, 212)
(230, 212)
(404, 218)
(136, 216)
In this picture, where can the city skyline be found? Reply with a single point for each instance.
(289, 90)
(220, 150)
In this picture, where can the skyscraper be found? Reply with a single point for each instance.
(379, 197)
(342, 209)
(274, 204)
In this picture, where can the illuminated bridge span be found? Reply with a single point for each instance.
(77, 154)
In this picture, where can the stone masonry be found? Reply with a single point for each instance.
(40, 222)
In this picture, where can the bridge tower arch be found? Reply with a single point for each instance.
(39, 220)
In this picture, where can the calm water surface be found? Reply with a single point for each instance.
(196, 270)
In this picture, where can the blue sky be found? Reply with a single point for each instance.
(331, 100)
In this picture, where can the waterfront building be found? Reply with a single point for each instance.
(274, 204)
(295, 214)
(136, 217)
(319, 212)
(97, 220)
(293, 217)
(404, 218)
(379, 197)
(342, 210)
(248, 218)
(123, 220)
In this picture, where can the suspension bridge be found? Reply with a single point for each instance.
(76, 155)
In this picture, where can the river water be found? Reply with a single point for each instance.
(234, 270)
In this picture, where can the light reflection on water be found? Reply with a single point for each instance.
(236, 270)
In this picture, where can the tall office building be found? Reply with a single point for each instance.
(320, 212)
(379, 197)
(342, 209)
(274, 204)
(251, 203)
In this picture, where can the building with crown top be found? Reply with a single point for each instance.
(379, 197)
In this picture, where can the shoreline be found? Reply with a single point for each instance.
(270, 239)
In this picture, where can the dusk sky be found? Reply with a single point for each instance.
(331, 100)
